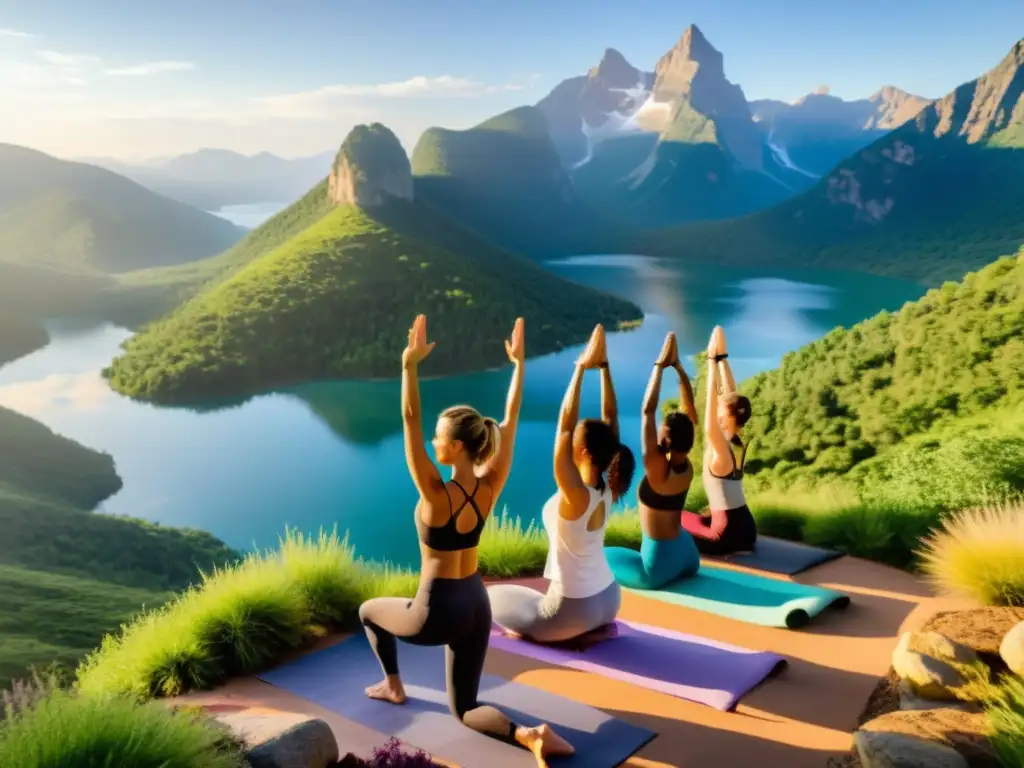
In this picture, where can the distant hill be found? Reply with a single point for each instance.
(211, 179)
(931, 200)
(674, 145)
(504, 179)
(69, 576)
(81, 218)
(335, 299)
(817, 132)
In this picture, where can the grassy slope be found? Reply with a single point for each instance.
(336, 301)
(504, 178)
(914, 404)
(82, 218)
(68, 576)
(144, 295)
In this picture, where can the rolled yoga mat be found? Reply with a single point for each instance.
(748, 597)
(686, 666)
(335, 678)
(780, 556)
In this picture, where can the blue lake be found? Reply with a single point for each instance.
(330, 453)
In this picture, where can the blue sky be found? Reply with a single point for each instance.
(147, 78)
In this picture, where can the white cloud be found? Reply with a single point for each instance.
(323, 100)
(152, 68)
(4, 32)
(66, 59)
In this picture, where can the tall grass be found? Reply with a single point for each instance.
(1006, 718)
(241, 618)
(62, 729)
(980, 553)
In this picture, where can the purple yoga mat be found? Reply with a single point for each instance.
(686, 666)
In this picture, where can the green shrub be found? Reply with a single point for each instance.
(980, 553)
(66, 730)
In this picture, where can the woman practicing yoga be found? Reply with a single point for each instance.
(592, 470)
(730, 527)
(451, 606)
(667, 551)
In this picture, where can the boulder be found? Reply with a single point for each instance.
(370, 168)
(910, 700)
(1011, 649)
(281, 739)
(879, 749)
(927, 676)
(961, 731)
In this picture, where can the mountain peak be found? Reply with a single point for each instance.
(695, 47)
(615, 71)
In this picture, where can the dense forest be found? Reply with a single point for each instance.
(336, 302)
(940, 366)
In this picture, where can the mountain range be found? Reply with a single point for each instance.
(681, 142)
(936, 197)
(211, 179)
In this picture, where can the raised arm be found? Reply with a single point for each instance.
(655, 462)
(567, 476)
(716, 438)
(498, 469)
(424, 473)
(686, 404)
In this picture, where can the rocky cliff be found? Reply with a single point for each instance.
(370, 168)
(694, 71)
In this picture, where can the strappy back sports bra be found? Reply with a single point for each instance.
(651, 499)
(448, 538)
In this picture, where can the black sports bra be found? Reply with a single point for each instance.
(448, 538)
(654, 500)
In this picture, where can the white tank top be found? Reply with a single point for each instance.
(576, 559)
(724, 493)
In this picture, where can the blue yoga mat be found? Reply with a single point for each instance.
(748, 597)
(336, 677)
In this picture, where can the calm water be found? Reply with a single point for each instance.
(250, 215)
(331, 453)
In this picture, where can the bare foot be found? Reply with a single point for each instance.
(510, 634)
(544, 743)
(389, 689)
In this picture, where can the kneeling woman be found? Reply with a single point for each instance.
(730, 528)
(592, 470)
(667, 551)
(451, 607)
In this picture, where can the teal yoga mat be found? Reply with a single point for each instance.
(748, 597)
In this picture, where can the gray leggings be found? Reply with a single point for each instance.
(552, 618)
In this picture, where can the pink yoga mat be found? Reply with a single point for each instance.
(686, 666)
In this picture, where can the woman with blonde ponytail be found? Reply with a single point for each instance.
(451, 606)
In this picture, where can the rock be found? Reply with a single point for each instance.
(370, 168)
(896, 750)
(940, 647)
(963, 731)
(910, 700)
(981, 629)
(928, 677)
(1011, 649)
(282, 740)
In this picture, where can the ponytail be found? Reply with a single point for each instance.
(620, 471)
(491, 442)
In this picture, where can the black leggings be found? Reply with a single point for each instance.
(740, 534)
(452, 612)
